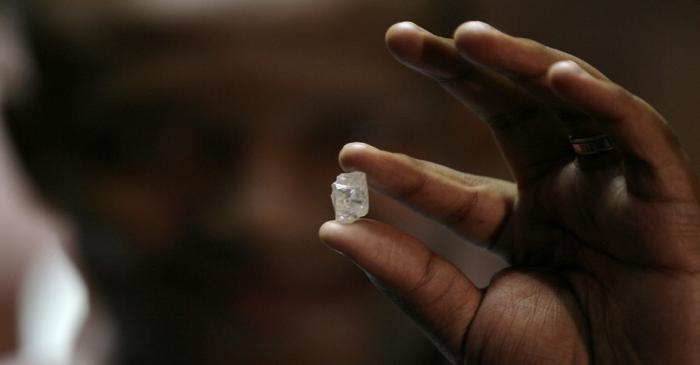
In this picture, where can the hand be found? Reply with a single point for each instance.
(604, 248)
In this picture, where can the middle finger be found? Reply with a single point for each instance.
(528, 131)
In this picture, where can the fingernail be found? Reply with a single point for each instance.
(479, 26)
(408, 24)
(360, 145)
(572, 67)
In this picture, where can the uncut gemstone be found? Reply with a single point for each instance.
(350, 197)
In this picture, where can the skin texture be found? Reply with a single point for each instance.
(605, 249)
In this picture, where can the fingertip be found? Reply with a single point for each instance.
(348, 239)
(405, 41)
(352, 154)
(599, 98)
(474, 27)
(333, 235)
(357, 146)
(563, 76)
(472, 34)
(568, 67)
(329, 231)
(405, 26)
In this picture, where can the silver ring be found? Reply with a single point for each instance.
(592, 145)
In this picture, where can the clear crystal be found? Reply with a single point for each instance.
(350, 197)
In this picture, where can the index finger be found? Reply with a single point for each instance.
(475, 207)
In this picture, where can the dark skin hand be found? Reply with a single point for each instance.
(605, 249)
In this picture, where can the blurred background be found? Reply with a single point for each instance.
(165, 165)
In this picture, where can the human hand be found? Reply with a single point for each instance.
(604, 248)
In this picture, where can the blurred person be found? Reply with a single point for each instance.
(195, 162)
(13, 262)
(27, 233)
(11, 251)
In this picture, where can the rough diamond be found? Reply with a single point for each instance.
(350, 197)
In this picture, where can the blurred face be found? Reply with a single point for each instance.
(211, 159)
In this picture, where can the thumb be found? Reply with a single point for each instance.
(430, 289)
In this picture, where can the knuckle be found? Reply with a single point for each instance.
(464, 210)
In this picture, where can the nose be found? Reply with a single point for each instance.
(275, 199)
(269, 199)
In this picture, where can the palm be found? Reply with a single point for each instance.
(558, 290)
(571, 216)
(604, 248)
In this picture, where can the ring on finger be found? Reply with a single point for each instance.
(587, 146)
